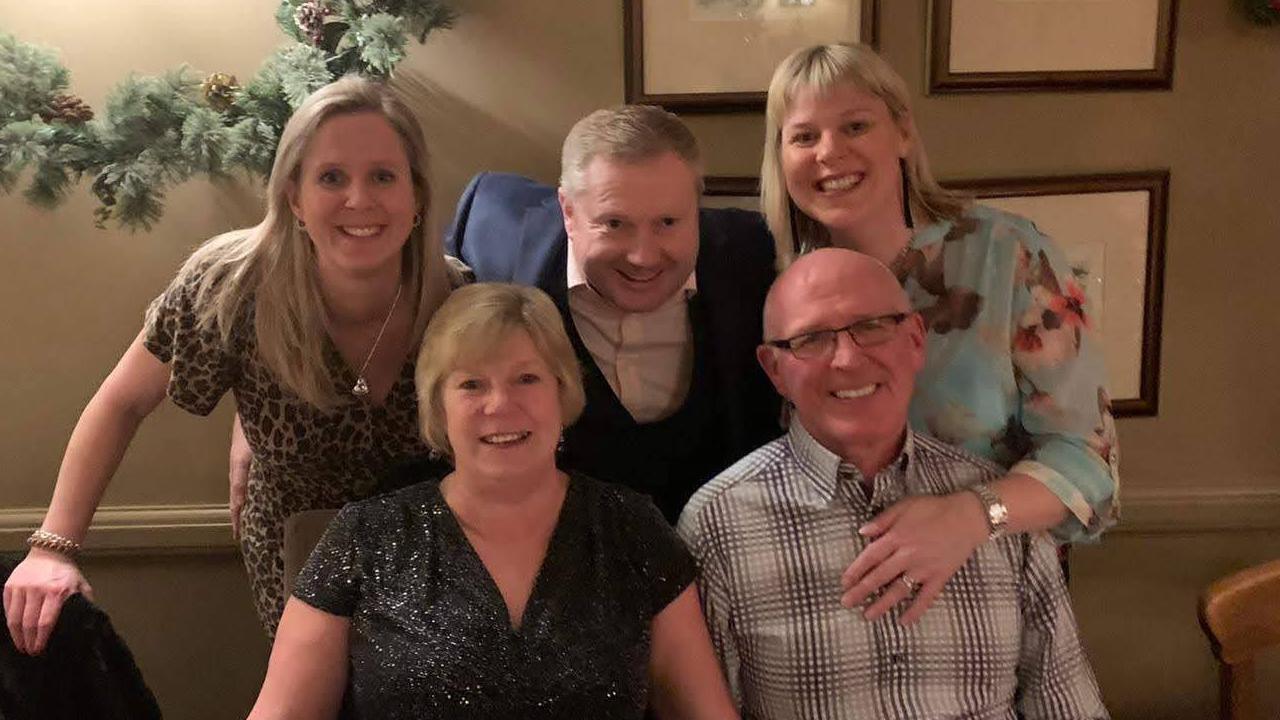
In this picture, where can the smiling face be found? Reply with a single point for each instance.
(854, 401)
(840, 155)
(355, 194)
(634, 228)
(503, 414)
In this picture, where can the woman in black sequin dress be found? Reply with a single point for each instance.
(508, 588)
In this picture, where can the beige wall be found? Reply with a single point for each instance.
(1202, 480)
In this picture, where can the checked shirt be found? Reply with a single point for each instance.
(772, 535)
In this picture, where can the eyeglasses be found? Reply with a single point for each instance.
(866, 333)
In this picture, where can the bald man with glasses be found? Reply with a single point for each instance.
(774, 532)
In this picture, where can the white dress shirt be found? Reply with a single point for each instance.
(647, 358)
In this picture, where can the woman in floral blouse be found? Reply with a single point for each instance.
(1014, 371)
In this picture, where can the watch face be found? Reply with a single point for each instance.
(999, 514)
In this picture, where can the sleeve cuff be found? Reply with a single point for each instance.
(1088, 518)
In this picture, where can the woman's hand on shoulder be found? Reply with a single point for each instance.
(916, 545)
(35, 594)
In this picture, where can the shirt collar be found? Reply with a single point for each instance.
(576, 278)
(825, 470)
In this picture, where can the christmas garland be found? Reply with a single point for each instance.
(156, 132)
(1262, 12)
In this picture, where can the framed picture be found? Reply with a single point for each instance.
(737, 191)
(718, 55)
(1028, 45)
(1111, 228)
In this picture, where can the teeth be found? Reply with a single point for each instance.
(841, 183)
(361, 231)
(503, 438)
(856, 393)
(639, 278)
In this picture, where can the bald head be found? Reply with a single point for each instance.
(822, 275)
(850, 395)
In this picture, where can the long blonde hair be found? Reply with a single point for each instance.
(274, 262)
(818, 68)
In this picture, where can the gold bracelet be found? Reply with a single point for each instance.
(46, 540)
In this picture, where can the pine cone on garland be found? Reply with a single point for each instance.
(309, 18)
(220, 90)
(67, 108)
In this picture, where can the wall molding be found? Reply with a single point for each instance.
(147, 529)
(134, 528)
(1199, 511)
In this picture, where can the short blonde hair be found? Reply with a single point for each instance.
(471, 324)
(630, 133)
(821, 67)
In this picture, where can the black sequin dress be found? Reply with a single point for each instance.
(430, 633)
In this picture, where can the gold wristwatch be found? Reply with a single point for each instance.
(996, 511)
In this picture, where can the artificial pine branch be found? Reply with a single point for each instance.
(300, 70)
(381, 39)
(159, 131)
(205, 140)
(30, 76)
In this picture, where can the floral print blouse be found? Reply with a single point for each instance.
(1014, 369)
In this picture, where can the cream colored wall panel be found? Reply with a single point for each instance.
(189, 620)
(1135, 598)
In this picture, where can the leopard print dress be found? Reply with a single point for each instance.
(303, 458)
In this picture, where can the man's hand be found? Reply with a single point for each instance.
(34, 595)
(238, 474)
(917, 545)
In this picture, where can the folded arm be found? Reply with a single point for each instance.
(1065, 480)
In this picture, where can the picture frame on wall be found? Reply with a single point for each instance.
(736, 191)
(1037, 45)
(1112, 229)
(1110, 226)
(718, 55)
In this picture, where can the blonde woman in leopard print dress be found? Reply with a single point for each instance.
(312, 319)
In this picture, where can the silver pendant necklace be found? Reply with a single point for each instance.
(361, 388)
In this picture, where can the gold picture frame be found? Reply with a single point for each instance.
(718, 55)
(1036, 45)
(1112, 228)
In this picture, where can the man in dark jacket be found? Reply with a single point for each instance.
(661, 299)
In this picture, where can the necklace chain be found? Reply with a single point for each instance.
(361, 388)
